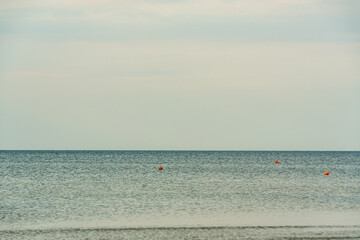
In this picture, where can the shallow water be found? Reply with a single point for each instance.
(198, 194)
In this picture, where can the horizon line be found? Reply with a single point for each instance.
(170, 150)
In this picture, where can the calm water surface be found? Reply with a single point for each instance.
(198, 194)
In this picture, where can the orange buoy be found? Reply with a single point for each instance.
(276, 161)
(326, 173)
(160, 168)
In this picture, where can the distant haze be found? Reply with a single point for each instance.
(176, 75)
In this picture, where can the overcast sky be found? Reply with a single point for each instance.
(180, 74)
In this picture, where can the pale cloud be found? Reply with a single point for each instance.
(268, 74)
(181, 66)
(246, 20)
(139, 19)
(196, 7)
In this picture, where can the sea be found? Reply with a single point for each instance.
(197, 195)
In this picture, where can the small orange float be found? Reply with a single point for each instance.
(326, 172)
(276, 161)
(160, 168)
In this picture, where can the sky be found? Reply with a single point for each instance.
(180, 75)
